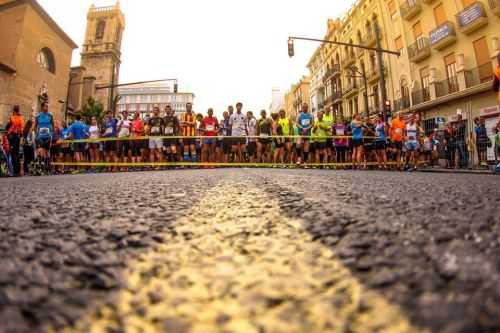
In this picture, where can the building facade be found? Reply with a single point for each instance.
(277, 101)
(448, 53)
(296, 96)
(35, 59)
(101, 51)
(145, 97)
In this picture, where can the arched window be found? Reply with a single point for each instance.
(46, 60)
(99, 32)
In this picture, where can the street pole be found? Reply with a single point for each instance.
(380, 60)
(367, 106)
(112, 92)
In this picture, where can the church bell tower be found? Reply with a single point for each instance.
(101, 51)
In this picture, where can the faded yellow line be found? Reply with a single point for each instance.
(238, 264)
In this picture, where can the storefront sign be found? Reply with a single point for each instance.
(440, 33)
(489, 111)
(470, 14)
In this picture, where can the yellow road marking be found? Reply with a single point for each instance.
(239, 264)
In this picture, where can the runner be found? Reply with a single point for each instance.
(286, 128)
(56, 152)
(370, 155)
(412, 144)
(279, 143)
(238, 132)
(123, 145)
(380, 142)
(136, 133)
(44, 125)
(224, 143)
(328, 117)
(341, 143)
(199, 134)
(305, 123)
(110, 125)
(14, 134)
(78, 131)
(188, 129)
(397, 134)
(252, 141)
(209, 127)
(357, 142)
(264, 131)
(155, 130)
(94, 147)
(321, 131)
(172, 128)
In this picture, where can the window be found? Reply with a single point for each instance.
(483, 60)
(417, 30)
(439, 14)
(392, 8)
(425, 79)
(99, 32)
(451, 72)
(399, 44)
(45, 59)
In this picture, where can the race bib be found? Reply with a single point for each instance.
(124, 132)
(306, 122)
(264, 135)
(44, 131)
(155, 130)
(399, 131)
(411, 138)
(210, 128)
(169, 130)
(109, 131)
(377, 134)
(340, 131)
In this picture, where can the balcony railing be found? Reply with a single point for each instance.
(348, 60)
(421, 96)
(472, 18)
(402, 104)
(446, 87)
(495, 6)
(337, 96)
(369, 39)
(443, 35)
(410, 8)
(419, 50)
(478, 75)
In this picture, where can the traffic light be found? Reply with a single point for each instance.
(387, 110)
(176, 88)
(291, 51)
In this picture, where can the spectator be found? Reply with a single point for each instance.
(481, 140)
(28, 145)
(15, 133)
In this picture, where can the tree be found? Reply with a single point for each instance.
(91, 109)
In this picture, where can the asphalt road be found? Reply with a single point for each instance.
(250, 251)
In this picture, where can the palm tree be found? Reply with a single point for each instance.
(91, 109)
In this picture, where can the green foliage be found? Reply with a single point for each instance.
(91, 109)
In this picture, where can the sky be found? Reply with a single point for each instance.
(224, 51)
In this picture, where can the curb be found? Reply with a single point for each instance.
(452, 171)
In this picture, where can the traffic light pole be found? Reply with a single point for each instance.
(378, 49)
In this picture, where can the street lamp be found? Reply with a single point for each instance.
(378, 49)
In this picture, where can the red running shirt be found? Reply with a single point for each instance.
(210, 125)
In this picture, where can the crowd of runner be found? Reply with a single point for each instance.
(43, 145)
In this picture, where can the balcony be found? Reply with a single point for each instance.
(495, 7)
(348, 60)
(374, 75)
(421, 96)
(479, 75)
(472, 18)
(443, 36)
(351, 89)
(337, 97)
(369, 39)
(410, 8)
(419, 50)
(446, 87)
(401, 104)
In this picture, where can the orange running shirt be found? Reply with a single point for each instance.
(397, 130)
(16, 124)
(186, 129)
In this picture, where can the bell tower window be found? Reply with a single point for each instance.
(101, 27)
